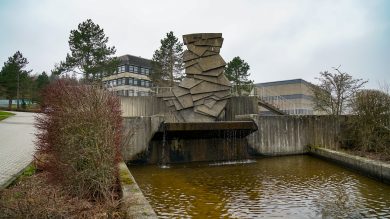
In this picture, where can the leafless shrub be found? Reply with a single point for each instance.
(369, 129)
(33, 197)
(79, 138)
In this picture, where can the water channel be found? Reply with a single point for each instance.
(289, 187)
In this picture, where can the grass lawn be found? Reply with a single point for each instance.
(4, 115)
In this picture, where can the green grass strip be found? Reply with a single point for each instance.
(4, 115)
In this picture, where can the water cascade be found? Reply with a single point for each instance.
(200, 141)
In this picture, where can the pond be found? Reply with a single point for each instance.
(289, 187)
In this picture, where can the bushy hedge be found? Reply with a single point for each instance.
(79, 138)
(369, 129)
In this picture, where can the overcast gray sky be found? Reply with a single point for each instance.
(279, 39)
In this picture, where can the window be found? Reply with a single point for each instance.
(147, 84)
(118, 69)
(131, 93)
(119, 82)
(135, 82)
(142, 83)
(130, 81)
(147, 72)
(123, 81)
(136, 69)
(142, 71)
(131, 68)
(114, 83)
(122, 68)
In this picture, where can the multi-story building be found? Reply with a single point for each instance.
(295, 96)
(131, 77)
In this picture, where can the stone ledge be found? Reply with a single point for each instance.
(373, 168)
(134, 202)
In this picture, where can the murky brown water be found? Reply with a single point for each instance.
(288, 187)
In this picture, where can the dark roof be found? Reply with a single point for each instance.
(274, 83)
(135, 60)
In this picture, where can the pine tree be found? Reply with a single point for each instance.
(90, 54)
(42, 81)
(237, 72)
(39, 84)
(167, 62)
(13, 78)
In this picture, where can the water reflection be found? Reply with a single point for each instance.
(293, 187)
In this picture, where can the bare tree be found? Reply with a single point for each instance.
(334, 92)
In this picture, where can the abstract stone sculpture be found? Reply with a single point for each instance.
(202, 95)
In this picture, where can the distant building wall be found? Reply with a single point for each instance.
(296, 91)
(131, 77)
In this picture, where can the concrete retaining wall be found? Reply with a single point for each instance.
(376, 169)
(240, 106)
(138, 131)
(276, 135)
(284, 135)
(149, 106)
(142, 106)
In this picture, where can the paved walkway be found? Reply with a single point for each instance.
(16, 144)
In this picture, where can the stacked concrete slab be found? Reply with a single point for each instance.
(203, 93)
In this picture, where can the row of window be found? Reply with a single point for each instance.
(128, 81)
(134, 69)
(130, 93)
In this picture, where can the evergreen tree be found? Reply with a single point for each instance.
(237, 72)
(26, 89)
(167, 62)
(14, 79)
(40, 83)
(90, 54)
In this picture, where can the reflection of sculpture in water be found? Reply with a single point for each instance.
(203, 93)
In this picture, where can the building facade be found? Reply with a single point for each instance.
(296, 94)
(132, 77)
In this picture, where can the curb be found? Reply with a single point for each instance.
(134, 202)
(376, 169)
(14, 177)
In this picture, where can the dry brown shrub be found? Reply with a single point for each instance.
(33, 197)
(79, 138)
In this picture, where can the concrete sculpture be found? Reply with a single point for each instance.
(202, 95)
